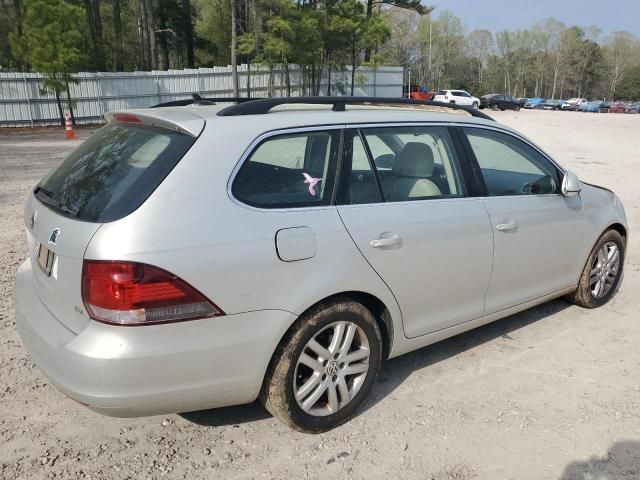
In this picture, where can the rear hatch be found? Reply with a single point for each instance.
(105, 179)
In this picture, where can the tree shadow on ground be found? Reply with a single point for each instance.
(395, 371)
(622, 461)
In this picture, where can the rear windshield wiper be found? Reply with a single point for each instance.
(46, 197)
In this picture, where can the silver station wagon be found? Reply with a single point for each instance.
(191, 257)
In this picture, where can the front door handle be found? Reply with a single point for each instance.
(507, 226)
(389, 241)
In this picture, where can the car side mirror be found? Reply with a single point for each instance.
(570, 184)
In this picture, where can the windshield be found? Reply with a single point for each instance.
(113, 172)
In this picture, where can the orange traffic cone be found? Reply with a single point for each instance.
(67, 127)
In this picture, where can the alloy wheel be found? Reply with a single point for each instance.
(604, 269)
(331, 368)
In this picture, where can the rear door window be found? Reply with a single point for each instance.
(292, 170)
(405, 163)
(113, 172)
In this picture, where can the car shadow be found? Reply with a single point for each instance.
(622, 461)
(219, 417)
(395, 371)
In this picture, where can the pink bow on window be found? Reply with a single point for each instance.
(312, 181)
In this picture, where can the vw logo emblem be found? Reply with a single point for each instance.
(53, 238)
(332, 368)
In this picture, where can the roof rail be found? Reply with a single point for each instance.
(262, 106)
(196, 99)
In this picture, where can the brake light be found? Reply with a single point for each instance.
(126, 117)
(131, 293)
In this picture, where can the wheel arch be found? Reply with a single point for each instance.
(376, 306)
(618, 227)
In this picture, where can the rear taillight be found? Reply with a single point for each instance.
(130, 293)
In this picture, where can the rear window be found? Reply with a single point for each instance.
(113, 172)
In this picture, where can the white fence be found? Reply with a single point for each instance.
(22, 103)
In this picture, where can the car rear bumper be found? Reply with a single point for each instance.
(137, 371)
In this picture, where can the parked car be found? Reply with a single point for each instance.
(521, 101)
(418, 92)
(616, 107)
(193, 257)
(632, 107)
(604, 107)
(458, 97)
(573, 104)
(593, 106)
(498, 101)
(549, 104)
(532, 103)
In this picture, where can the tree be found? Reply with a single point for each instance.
(412, 5)
(94, 21)
(479, 44)
(584, 62)
(118, 50)
(234, 56)
(358, 32)
(556, 47)
(618, 48)
(53, 44)
(403, 47)
(506, 48)
(11, 23)
(187, 28)
(629, 86)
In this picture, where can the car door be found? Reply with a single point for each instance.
(405, 204)
(538, 232)
(463, 98)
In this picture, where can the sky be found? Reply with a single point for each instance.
(496, 15)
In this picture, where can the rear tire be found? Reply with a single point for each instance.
(601, 275)
(317, 335)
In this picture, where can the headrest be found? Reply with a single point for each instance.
(414, 160)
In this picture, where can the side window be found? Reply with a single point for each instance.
(363, 185)
(286, 171)
(510, 166)
(421, 163)
(382, 154)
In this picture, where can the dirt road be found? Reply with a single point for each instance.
(551, 393)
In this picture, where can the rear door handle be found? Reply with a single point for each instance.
(386, 242)
(507, 226)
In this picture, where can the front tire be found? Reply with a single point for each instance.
(325, 367)
(602, 273)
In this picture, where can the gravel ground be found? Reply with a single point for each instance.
(551, 393)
